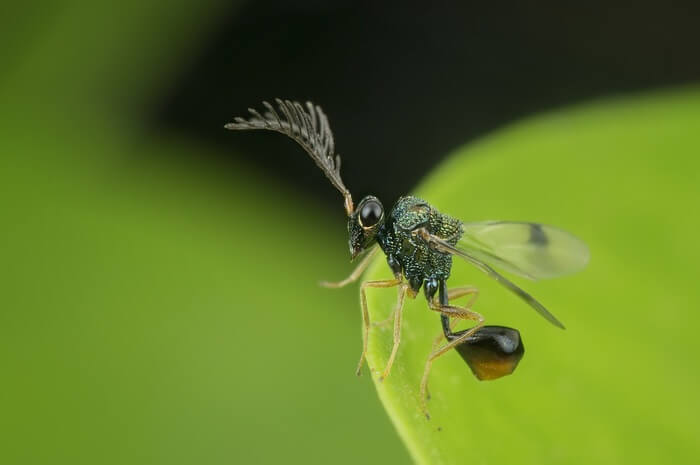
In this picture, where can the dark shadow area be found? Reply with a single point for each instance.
(405, 83)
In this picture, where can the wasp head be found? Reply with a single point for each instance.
(364, 223)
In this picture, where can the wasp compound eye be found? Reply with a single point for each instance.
(370, 213)
(492, 352)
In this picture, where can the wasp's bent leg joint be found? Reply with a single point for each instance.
(450, 311)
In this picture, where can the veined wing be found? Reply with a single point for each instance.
(531, 250)
(443, 246)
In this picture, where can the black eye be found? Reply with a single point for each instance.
(370, 214)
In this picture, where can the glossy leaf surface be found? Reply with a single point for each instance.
(622, 175)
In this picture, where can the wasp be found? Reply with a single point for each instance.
(419, 243)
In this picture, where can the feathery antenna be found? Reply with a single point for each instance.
(309, 128)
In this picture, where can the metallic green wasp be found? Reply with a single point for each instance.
(419, 243)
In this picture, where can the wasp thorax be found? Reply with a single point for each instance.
(364, 223)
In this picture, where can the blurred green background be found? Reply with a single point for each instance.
(158, 308)
(159, 298)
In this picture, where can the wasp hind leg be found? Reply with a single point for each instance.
(452, 294)
(449, 311)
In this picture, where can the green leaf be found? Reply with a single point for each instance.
(620, 384)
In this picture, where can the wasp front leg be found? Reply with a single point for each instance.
(356, 273)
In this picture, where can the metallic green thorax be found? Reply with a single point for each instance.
(417, 260)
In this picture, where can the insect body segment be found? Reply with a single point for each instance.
(419, 243)
(491, 352)
(419, 261)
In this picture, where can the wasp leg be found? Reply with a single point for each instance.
(452, 294)
(386, 320)
(436, 344)
(449, 311)
(456, 293)
(398, 314)
(365, 314)
(356, 273)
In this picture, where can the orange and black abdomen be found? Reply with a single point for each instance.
(491, 352)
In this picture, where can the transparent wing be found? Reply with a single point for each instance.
(531, 250)
(444, 247)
